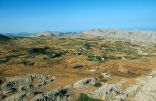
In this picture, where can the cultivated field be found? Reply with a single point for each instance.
(74, 58)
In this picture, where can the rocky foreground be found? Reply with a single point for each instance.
(25, 88)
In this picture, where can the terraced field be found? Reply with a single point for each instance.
(68, 60)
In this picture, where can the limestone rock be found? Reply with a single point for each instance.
(108, 91)
(106, 75)
(60, 94)
(18, 88)
(84, 82)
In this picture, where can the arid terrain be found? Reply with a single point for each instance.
(76, 68)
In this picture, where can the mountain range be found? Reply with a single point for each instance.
(127, 35)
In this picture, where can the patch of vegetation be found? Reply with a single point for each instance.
(37, 51)
(85, 97)
(131, 74)
(75, 42)
(119, 46)
(97, 58)
(12, 51)
(98, 84)
(102, 58)
(107, 48)
(102, 79)
(45, 51)
(133, 57)
(114, 57)
(87, 45)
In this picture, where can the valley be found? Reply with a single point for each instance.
(81, 64)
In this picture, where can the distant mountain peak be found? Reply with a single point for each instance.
(43, 34)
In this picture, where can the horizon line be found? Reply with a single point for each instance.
(121, 29)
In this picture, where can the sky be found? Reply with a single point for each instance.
(76, 15)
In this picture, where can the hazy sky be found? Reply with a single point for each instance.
(76, 15)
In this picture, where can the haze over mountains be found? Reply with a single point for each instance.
(127, 35)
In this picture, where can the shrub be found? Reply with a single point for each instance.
(87, 46)
(102, 79)
(97, 84)
(85, 97)
(37, 51)
(119, 47)
(108, 48)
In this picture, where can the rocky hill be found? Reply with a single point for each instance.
(43, 34)
(60, 34)
(20, 34)
(128, 35)
(3, 38)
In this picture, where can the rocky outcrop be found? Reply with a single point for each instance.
(106, 75)
(147, 89)
(61, 94)
(22, 88)
(111, 91)
(84, 83)
(16, 97)
(19, 88)
(144, 89)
